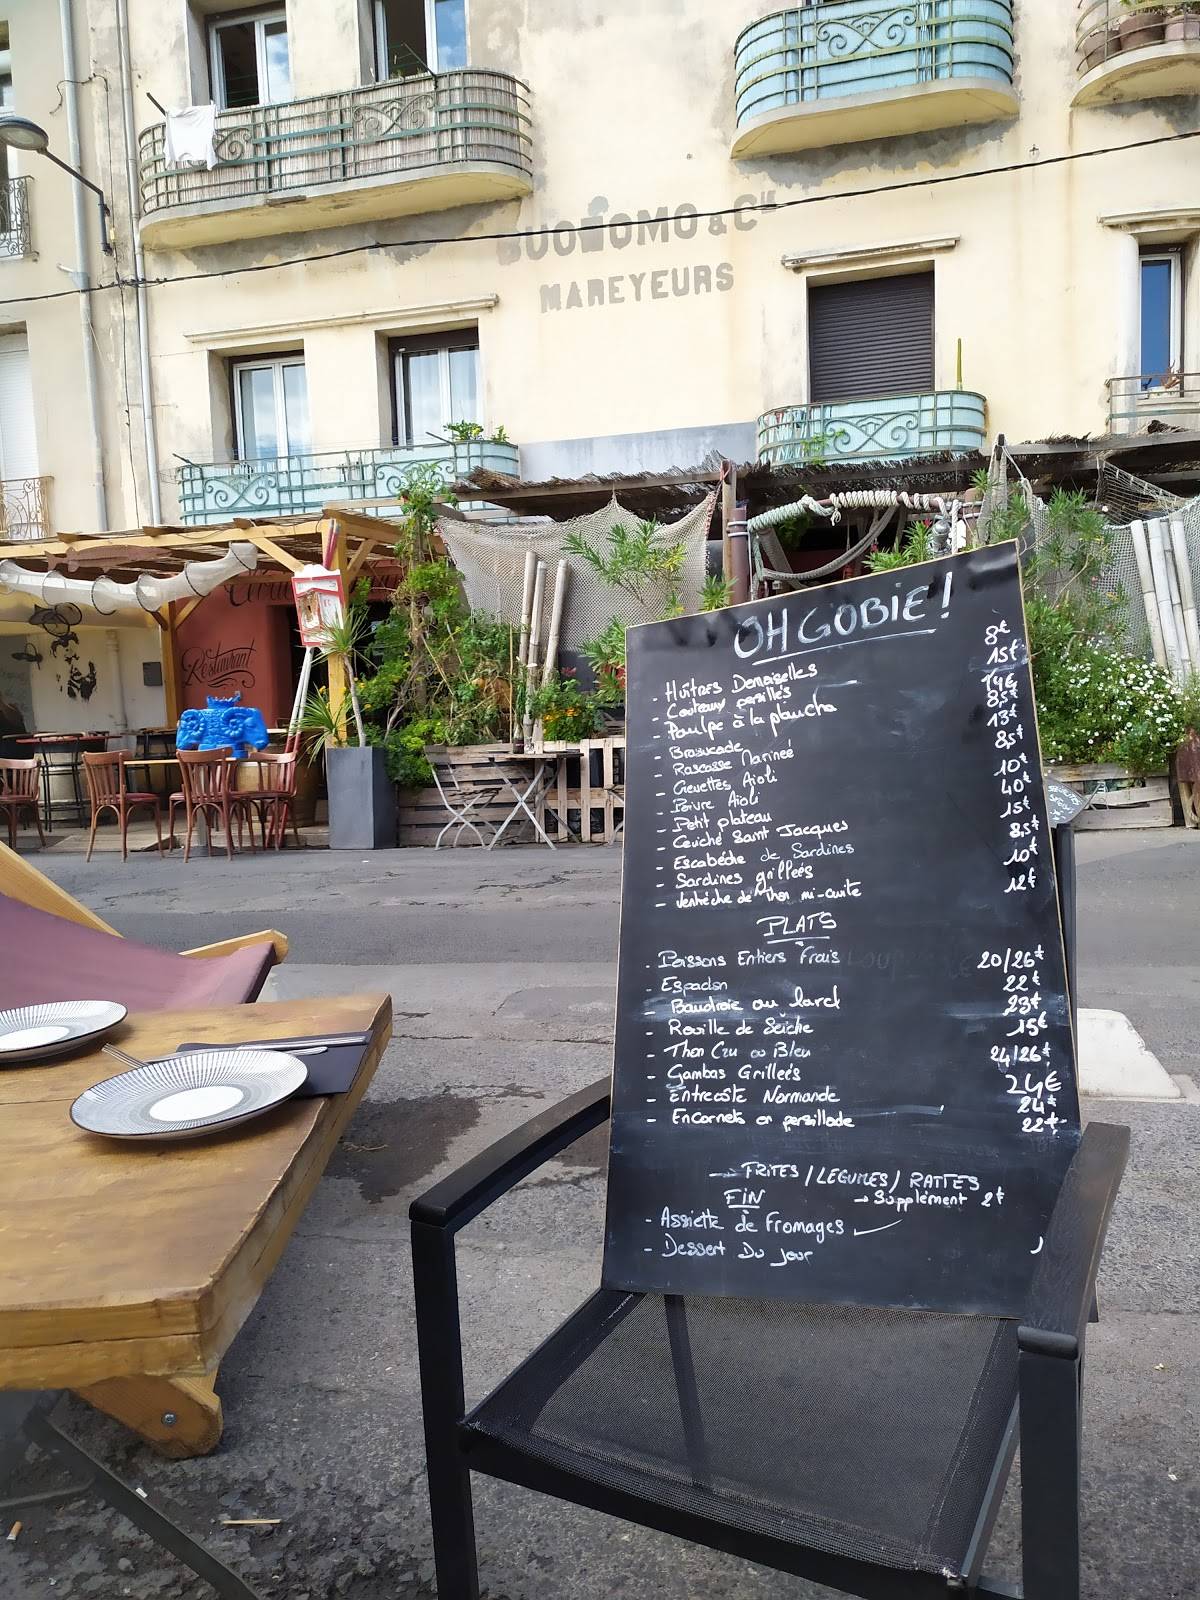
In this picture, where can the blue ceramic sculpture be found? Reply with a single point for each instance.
(221, 723)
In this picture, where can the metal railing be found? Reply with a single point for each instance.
(890, 428)
(14, 217)
(853, 47)
(1145, 397)
(24, 509)
(1107, 29)
(301, 485)
(406, 125)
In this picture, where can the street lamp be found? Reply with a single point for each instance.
(19, 133)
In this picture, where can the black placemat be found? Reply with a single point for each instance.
(330, 1073)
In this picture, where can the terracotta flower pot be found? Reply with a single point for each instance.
(1183, 25)
(1096, 47)
(1141, 28)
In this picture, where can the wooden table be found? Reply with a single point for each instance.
(126, 1268)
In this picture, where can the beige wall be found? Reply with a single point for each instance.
(700, 330)
(119, 700)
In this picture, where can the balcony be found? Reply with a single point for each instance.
(839, 71)
(893, 428)
(14, 218)
(1136, 50)
(24, 509)
(297, 486)
(387, 150)
(1171, 399)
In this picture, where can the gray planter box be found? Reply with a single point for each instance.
(362, 799)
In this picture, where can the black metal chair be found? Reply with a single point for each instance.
(863, 1449)
(25, 1420)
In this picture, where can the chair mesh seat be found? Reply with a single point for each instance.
(864, 1433)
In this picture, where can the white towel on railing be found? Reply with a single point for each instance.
(189, 141)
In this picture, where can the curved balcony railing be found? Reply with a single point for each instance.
(24, 509)
(404, 126)
(1108, 29)
(14, 217)
(839, 48)
(891, 428)
(1137, 49)
(302, 485)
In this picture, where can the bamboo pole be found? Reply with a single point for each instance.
(1183, 569)
(531, 564)
(550, 664)
(1162, 590)
(535, 631)
(1164, 533)
(1141, 553)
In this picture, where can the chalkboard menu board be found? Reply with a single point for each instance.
(844, 1062)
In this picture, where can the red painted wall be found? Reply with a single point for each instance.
(235, 641)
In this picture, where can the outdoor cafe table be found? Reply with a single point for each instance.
(128, 1266)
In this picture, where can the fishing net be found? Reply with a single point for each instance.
(491, 560)
(1124, 499)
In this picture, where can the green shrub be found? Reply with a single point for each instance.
(1097, 704)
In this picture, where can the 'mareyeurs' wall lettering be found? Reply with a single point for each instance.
(599, 232)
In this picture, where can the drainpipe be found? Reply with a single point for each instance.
(149, 422)
(80, 277)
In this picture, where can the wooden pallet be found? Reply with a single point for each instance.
(586, 800)
(1143, 803)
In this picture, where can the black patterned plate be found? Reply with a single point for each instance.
(184, 1096)
(37, 1033)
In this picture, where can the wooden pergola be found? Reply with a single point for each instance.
(344, 540)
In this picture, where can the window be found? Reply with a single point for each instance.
(871, 337)
(1161, 317)
(270, 404)
(419, 35)
(435, 380)
(250, 61)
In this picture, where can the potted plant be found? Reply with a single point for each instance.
(565, 712)
(362, 799)
(1143, 24)
(1183, 22)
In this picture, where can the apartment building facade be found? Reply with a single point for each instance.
(588, 239)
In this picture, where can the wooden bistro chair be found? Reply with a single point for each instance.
(274, 799)
(107, 790)
(19, 792)
(860, 1448)
(207, 791)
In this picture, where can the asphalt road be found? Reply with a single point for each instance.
(501, 970)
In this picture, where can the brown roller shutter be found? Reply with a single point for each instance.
(871, 337)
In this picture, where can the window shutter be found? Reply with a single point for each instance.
(871, 337)
(18, 438)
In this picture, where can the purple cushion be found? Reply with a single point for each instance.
(43, 958)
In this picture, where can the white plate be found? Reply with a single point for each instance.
(36, 1033)
(183, 1096)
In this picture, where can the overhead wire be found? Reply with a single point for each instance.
(764, 207)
